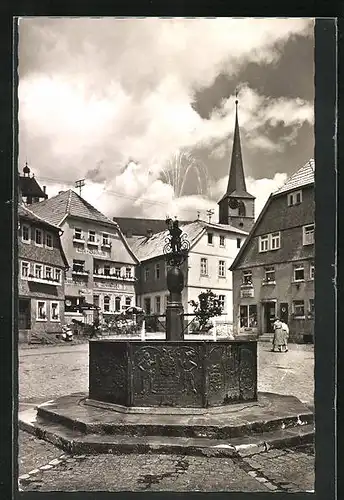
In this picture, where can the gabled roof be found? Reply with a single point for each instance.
(30, 187)
(140, 227)
(300, 178)
(150, 247)
(147, 248)
(66, 203)
(25, 213)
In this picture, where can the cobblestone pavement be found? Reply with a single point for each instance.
(48, 372)
(274, 470)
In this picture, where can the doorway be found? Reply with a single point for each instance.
(24, 319)
(269, 314)
(284, 313)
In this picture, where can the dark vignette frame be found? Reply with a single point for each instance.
(326, 240)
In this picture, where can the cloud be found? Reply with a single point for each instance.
(96, 93)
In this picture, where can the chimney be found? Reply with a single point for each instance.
(149, 233)
(45, 189)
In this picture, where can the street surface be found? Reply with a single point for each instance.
(49, 372)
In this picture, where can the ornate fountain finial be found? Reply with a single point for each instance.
(177, 246)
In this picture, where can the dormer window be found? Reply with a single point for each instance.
(294, 198)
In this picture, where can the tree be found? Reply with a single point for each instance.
(208, 306)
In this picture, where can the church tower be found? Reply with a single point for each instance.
(236, 207)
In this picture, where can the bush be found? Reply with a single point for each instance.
(206, 308)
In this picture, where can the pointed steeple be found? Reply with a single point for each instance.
(236, 182)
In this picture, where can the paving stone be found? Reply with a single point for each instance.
(46, 467)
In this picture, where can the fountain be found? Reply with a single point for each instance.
(173, 395)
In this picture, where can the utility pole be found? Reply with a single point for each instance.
(210, 213)
(79, 184)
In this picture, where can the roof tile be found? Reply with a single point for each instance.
(302, 177)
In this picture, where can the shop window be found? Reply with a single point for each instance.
(54, 311)
(248, 316)
(41, 310)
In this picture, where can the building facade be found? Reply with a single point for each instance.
(213, 248)
(273, 274)
(101, 264)
(42, 266)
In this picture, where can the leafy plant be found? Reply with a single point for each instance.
(207, 307)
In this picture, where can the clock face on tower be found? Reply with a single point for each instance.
(233, 203)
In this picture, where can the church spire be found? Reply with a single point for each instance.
(236, 181)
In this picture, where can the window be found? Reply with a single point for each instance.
(295, 198)
(247, 278)
(298, 308)
(41, 310)
(54, 311)
(117, 304)
(106, 269)
(128, 272)
(157, 271)
(78, 266)
(275, 241)
(58, 275)
(222, 299)
(269, 274)
(311, 271)
(204, 266)
(166, 300)
(270, 242)
(38, 237)
(77, 234)
(308, 234)
(248, 316)
(147, 302)
(106, 303)
(222, 241)
(311, 306)
(49, 240)
(26, 233)
(157, 304)
(128, 301)
(264, 243)
(92, 236)
(106, 240)
(38, 271)
(146, 273)
(25, 269)
(117, 272)
(222, 269)
(242, 209)
(48, 273)
(210, 238)
(238, 242)
(299, 273)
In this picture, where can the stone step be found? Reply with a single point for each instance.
(270, 412)
(75, 442)
(266, 337)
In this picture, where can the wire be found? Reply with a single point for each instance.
(118, 195)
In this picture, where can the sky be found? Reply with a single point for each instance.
(143, 109)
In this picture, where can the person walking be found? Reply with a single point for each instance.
(285, 329)
(279, 339)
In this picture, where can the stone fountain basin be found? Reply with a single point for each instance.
(180, 374)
